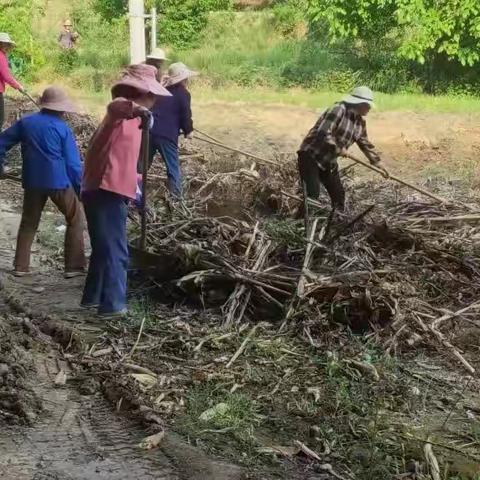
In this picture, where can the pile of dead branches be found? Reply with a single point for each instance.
(406, 269)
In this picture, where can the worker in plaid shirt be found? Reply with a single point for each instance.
(336, 130)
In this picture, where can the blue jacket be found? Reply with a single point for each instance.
(172, 115)
(51, 160)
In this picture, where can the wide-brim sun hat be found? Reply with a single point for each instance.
(177, 72)
(157, 54)
(359, 95)
(54, 98)
(143, 78)
(5, 38)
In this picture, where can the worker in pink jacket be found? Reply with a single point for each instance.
(110, 182)
(6, 78)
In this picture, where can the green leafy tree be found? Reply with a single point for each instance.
(110, 9)
(423, 28)
(16, 18)
(182, 22)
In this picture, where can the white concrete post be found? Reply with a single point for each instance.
(136, 14)
(153, 30)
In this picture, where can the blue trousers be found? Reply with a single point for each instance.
(169, 152)
(106, 284)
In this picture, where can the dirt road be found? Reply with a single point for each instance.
(75, 434)
(413, 144)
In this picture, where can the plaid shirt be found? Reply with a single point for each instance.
(337, 128)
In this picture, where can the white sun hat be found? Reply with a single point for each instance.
(359, 95)
(5, 38)
(178, 72)
(157, 54)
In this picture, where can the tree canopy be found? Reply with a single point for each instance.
(182, 22)
(16, 19)
(422, 27)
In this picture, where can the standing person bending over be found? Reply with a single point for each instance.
(335, 131)
(6, 78)
(172, 116)
(51, 169)
(109, 182)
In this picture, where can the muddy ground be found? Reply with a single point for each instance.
(63, 428)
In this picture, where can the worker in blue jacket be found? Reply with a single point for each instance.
(51, 169)
(172, 117)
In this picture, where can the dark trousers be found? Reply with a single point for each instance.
(106, 284)
(314, 175)
(169, 152)
(2, 111)
(68, 203)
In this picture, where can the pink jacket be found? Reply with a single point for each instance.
(6, 78)
(112, 157)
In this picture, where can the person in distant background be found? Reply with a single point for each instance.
(67, 37)
(158, 59)
(172, 117)
(6, 78)
(52, 170)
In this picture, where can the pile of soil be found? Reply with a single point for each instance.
(18, 402)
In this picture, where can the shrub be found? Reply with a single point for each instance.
(183, 22)
(288, 17)
(16, 19)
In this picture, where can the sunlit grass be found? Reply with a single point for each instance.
(319, 99)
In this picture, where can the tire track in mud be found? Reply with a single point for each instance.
(77, 438)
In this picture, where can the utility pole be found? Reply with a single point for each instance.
(136, 16)
(153, 29)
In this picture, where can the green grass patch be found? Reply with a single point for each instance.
(322, 99)
(286, 232)
(223, 421)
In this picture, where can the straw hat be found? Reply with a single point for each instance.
(5, 38)
(143, 78)
(178, 72)
(67, 23)
(157, 54)
(54, 98)
(359, 95)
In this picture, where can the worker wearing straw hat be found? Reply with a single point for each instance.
(173, 116)
(157, 59)
(6, 78)
(337, 129)
(51, 170)
(110, 182)
(67, 37)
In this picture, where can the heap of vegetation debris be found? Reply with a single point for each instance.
(346, 352)
(392, 264)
